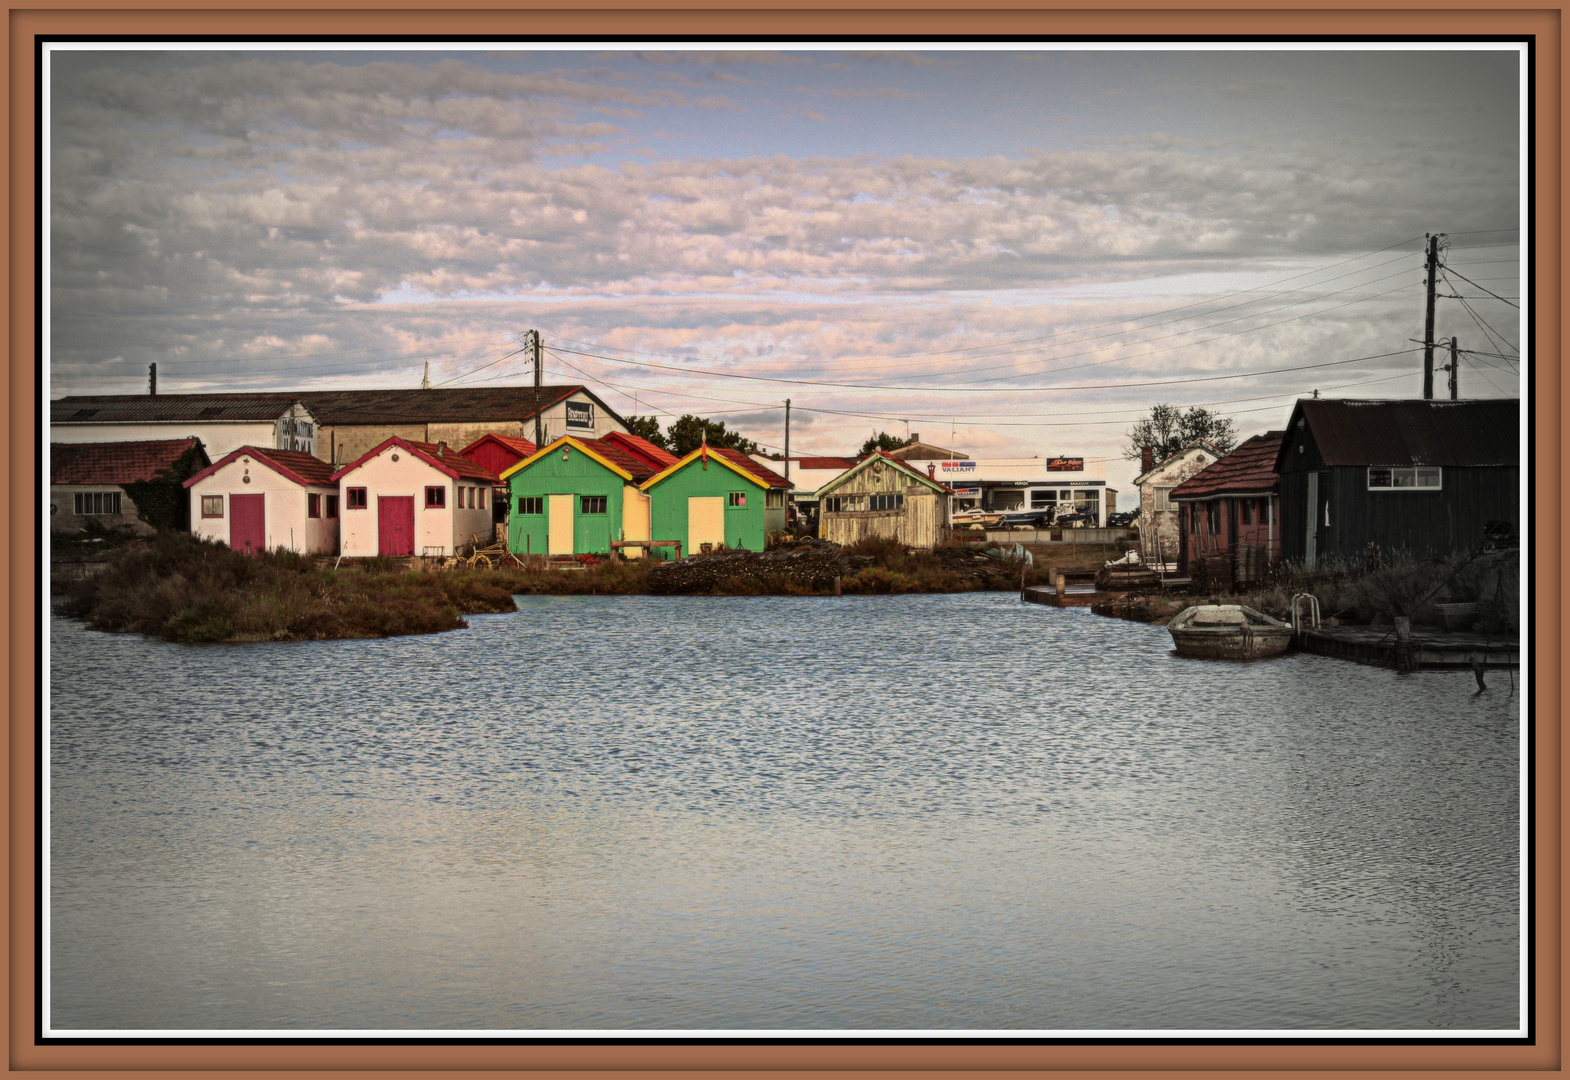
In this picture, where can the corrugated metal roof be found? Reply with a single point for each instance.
(168, 408)
(452, 405)
(113, 462)
(1248, 470)
(1420, 432)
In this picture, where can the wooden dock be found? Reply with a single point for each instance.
(1430, 647)
(1048, 595)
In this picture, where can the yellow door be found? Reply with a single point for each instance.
(558, 518)
(705, 522)
(634, 520)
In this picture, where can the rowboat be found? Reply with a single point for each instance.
(1228, 632)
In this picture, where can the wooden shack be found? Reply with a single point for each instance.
(882, 496)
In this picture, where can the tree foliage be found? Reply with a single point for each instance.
(648, 427)
(687, 433)
(163, 502)
(882, 441)
(1168, 429)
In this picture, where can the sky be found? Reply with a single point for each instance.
(1012, 251)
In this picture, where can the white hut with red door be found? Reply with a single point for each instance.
(257, 498)
(408, 498)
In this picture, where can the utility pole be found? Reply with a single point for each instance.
(1455, 383)
(787, 443)
(152, 380)
(539, 421)
(425, 381)
(1428, 316)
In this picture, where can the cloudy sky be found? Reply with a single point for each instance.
(1024, 248)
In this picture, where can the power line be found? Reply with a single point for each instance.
(1469, 281)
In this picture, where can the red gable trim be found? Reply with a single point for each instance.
(265, 457)
(426, 452)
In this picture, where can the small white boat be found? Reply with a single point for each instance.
(1228, 632)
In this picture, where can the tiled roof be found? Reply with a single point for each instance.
(168, 408)
(511, 442)
(113, 462)
(1420, 432)
(455, 405)
(617, 455)
(824, 462)
(765, 476)
(300, 467)
(1248, 470)
(448, 461)
(642, 448)
(451, 459)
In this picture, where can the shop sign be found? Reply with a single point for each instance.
(580, 416)
(1066, 464)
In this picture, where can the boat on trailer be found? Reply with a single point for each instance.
(1228, 632)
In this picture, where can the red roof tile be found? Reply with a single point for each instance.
(642, 448)
(765, 476)
(114, 462)
(1248, 470)
(824, 462)
(448, 461)
(617, 455)
(300, 467)
(522, 447)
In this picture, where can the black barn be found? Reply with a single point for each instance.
(1423, 476)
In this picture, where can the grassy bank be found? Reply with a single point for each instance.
(179, 588)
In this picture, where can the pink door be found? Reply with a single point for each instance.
(248, 523)
(395, 525)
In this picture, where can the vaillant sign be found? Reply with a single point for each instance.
(956, 468)
(580, 416)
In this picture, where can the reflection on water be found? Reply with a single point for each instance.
(955, 812)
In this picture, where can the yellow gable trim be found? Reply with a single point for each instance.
(693, 456)
(556, 445)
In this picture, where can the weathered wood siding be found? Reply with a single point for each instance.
(923, 522)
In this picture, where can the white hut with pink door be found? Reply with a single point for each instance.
(408, 498)
(257, 498)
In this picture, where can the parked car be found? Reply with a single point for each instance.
(1122, 520)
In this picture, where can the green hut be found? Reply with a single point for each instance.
(716, 497)
(575, 497)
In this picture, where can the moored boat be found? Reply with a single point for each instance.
(1228, 632)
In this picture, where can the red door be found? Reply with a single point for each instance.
(395, 525)
(248, 523)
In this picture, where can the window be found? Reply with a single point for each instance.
(354, 499)
(531, 504)
(332, 506)
(1422, 478)
(93, 503)
(775, 497)
(313, 505)
(887, 502)
(736, 498)
(1245, 508)
(435, 498)
(844, 504)
(591, 504)
(1041, 499)
(1163, 498)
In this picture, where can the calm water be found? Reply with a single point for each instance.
(955, 812)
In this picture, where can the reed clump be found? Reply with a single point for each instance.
(181, 588)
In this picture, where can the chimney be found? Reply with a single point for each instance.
(1147, 459)
(915, 437)
(152, 380)
(441, 449)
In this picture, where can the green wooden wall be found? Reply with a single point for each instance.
(577, 476)
(745, 526)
